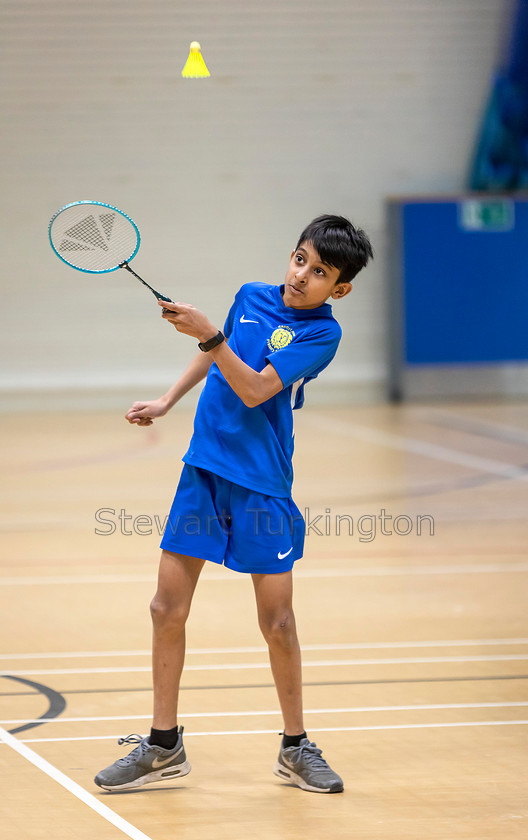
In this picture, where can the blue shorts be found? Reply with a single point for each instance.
(216, 520)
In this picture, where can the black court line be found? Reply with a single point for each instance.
(57, 702)
(266, 685)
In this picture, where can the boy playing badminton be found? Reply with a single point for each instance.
(236, 482)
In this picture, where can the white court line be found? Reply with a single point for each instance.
(312, 729)
(403, 571)
(93, 654)
(245, 666)
(421, 447)
(369, 571)
(72, 787)
(264, 712)
(476, 426)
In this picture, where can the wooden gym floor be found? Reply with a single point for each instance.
(415, 645)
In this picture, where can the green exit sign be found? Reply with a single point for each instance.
(488, 214)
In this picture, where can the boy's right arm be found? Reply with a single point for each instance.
(143, 413)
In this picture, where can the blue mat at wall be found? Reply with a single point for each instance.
(501, 158)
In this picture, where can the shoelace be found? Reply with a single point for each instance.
(130, 739)
(312, 755)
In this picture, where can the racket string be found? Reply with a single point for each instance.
(87, 231)
(93, 239)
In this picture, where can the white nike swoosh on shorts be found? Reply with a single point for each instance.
(245, 320)
(282, 556)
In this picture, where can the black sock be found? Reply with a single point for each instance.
(166, 738)
(292, 740)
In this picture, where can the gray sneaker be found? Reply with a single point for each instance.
(144, 764)
(305, 767)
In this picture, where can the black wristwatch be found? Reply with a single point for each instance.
(213, 342)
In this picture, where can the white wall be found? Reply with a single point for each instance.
(312, 107)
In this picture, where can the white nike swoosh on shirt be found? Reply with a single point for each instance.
(245, 320)
(282, 556)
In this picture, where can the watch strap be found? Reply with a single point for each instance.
(217, 339)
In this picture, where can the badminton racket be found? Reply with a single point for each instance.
(96, 238)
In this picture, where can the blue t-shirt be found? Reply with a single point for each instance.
(253, 447)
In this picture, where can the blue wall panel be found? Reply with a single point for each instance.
(465, 291)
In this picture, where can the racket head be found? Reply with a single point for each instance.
(93, 236)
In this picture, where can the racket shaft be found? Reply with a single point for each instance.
(154, 292)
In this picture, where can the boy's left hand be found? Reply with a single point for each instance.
(188, 320)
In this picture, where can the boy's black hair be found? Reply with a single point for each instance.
(340, 244)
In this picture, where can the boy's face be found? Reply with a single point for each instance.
(309, 282)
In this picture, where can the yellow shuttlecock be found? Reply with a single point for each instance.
(195, 67)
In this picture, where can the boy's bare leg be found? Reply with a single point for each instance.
(151, 761)
(177, 579)
(277, 622)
